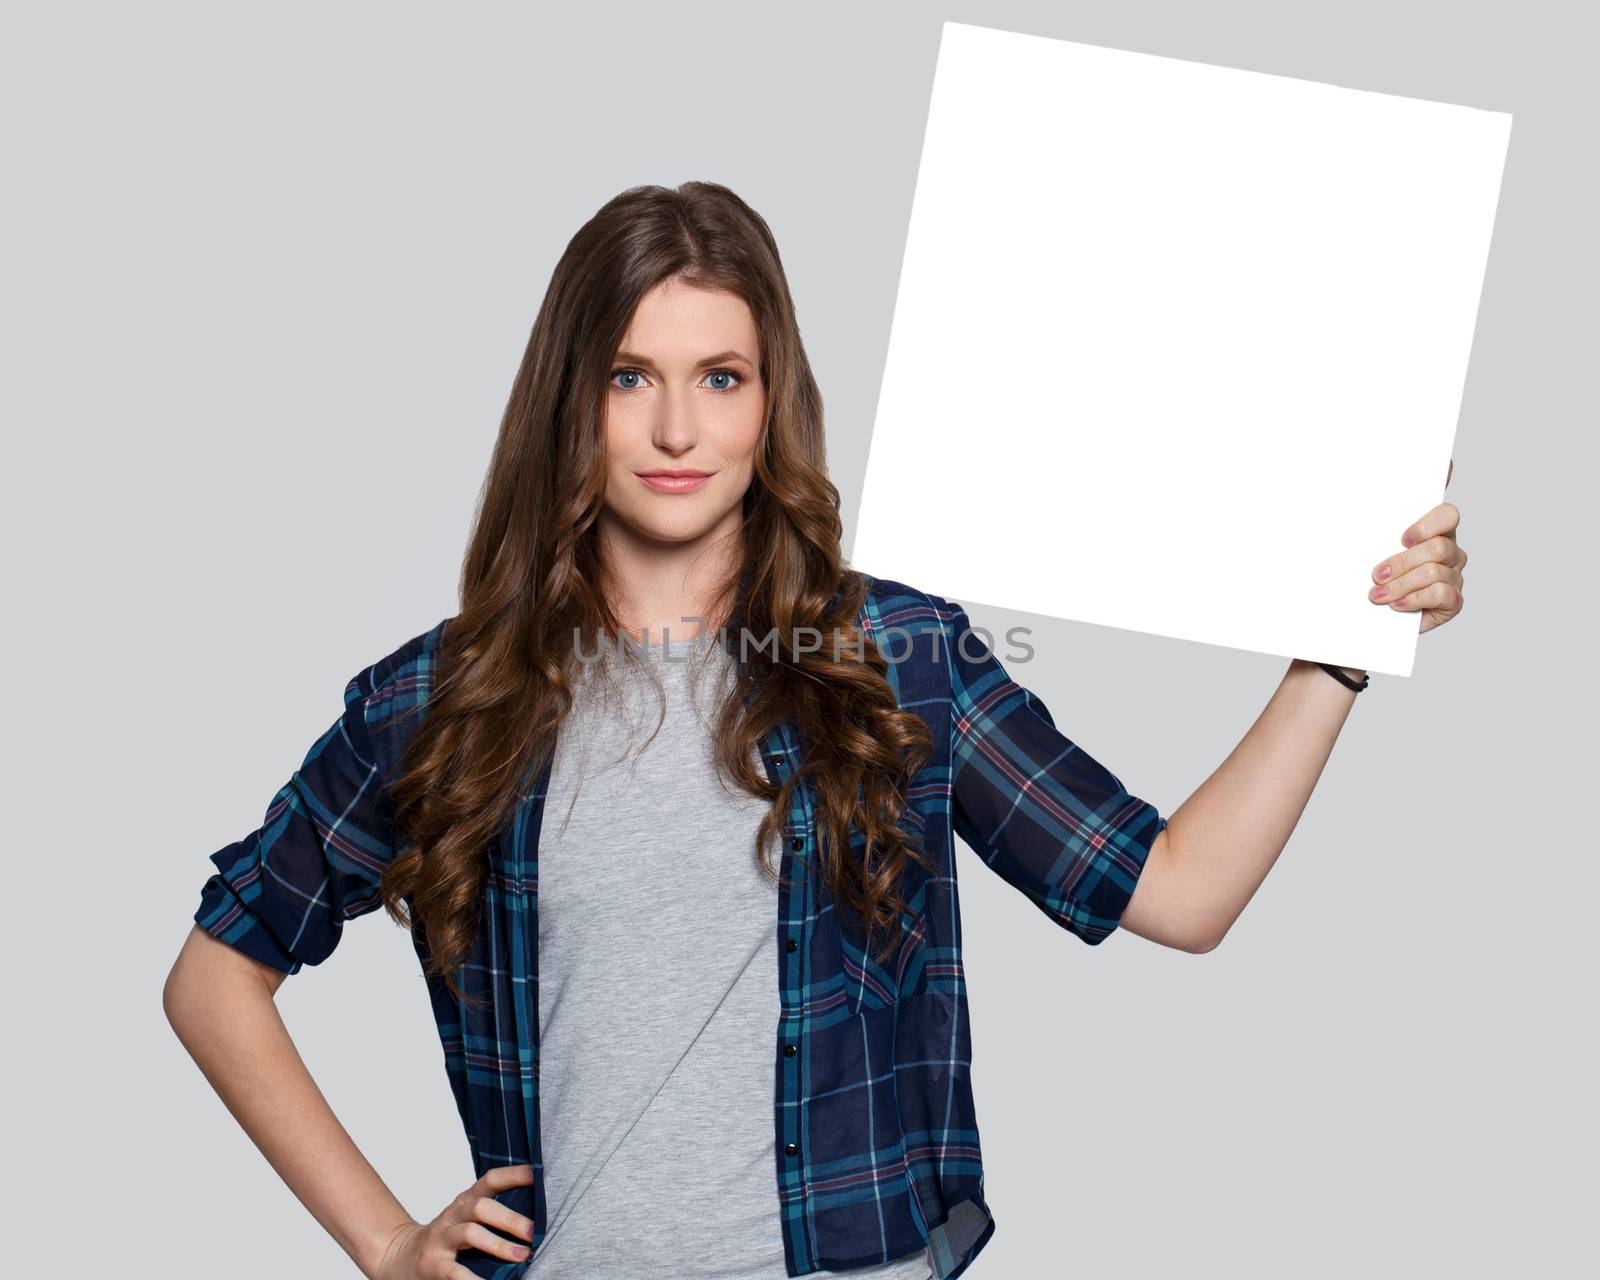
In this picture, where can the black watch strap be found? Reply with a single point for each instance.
(1344, 679)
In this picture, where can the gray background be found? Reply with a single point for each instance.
(268, 273)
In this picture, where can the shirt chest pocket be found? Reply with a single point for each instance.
(876, 981)
(880, 974)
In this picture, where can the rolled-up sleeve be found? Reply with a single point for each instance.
(282, 894)
(1038, 809)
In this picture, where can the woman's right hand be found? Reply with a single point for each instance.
(427, 1251)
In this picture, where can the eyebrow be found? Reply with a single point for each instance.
(722, 357)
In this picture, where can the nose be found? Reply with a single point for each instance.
(675, 429)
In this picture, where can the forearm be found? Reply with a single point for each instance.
(1227, 835)
(224, 1012)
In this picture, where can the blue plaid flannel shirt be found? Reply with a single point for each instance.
(876, 1152)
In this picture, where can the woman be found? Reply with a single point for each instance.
(653, 1079)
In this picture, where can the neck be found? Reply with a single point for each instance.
(668, 589)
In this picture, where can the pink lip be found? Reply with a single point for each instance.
(684, 482)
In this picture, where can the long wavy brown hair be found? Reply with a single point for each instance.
(533, 587)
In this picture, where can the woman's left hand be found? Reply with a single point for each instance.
(1427, 575)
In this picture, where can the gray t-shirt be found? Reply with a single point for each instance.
(658, 990)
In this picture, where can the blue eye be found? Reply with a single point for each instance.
(628, 371)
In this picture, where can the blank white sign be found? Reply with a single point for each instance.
(1177, 348)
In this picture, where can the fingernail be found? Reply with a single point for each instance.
(1378, 593)
(1384, 572)
(520, 1251)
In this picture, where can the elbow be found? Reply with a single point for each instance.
(189, 994)
(178, 997)
(1199, 929)
(1209, 937)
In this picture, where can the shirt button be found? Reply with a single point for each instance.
(791, 945)
(788, 1051)
(790, 1149)
(797, 844)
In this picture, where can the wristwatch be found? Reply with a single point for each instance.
(1345, 678)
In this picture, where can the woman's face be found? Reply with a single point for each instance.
(684, 395)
